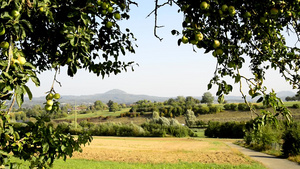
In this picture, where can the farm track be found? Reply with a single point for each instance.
(269, 161)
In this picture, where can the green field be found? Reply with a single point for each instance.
(103, 113)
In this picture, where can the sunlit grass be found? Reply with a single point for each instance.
(103, 113)
(91, 164)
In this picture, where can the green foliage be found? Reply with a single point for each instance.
(263, 137)
(291, 136)
(190, 118)
(207, 98)
(225, 130)
(37, 142)
(296, 106)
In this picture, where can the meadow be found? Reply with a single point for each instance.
(129, 152)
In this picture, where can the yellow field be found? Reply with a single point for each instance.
(161, 150)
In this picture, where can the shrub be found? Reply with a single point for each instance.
(225, 130)
(243, 107)
(234, 107)
(291, 137)
(204, 110)
(296, 106)
(227, 107)
(214, 109)
(264, 137)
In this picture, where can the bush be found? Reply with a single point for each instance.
(291, 137)
(225, 130)
(296, 106)
(214, 109)
(204, 110)
(264, 138)
(243, 107)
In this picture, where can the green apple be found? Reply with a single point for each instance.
(4, 45)
(110, 9)
(194, 42)
(231, 10)
(103, 12)
(216, 44)
(15, 13)
(274, 11)
(117, 16)
(204, 5)
(2, 31)
(48, 107)
(224, 8)
(21, 60)
(99, 2)
(49, 102)
(263, 20)
(49, 96)
(56, 96)
(184, 40)
(219, 51)
(109, 24)
(247, 14)
(199, 37)
(104, 5)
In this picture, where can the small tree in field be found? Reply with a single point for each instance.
(207, 98)
(190, 118)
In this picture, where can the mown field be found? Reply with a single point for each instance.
(128, 152)
(223, 116)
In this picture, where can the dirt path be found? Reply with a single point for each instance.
(269, 161)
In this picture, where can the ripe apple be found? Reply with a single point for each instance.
(104, 5)
(274, 11)
(21, 60)
(194, 42)
(219, 51)
(15, 13)
(4, 45)
(184, 40)
(41, 9)
(110, 9)
(224, 8)
(2, 31)
(109, 24)
(56, 96)
(247, 14)
(231, 10)
(263, 20)
(204, 5)
(199, 37)
(216, 44)
(117, 16)
(49, 96)
(103, 12)
(49, 102)
(48, 107)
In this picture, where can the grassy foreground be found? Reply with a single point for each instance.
(91, 164)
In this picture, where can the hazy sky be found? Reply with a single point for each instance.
(164, 68)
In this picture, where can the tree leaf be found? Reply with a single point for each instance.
(19, 96)
(28, 92)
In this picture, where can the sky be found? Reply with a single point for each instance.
(165, 69)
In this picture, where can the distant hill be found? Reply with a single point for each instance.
(115, 95)
(120, 96)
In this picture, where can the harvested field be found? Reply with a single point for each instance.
(161, 150)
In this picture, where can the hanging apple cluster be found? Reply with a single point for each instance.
(235, 29)
(52, 103)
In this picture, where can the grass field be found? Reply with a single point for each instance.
(103, 113)
(133, 153)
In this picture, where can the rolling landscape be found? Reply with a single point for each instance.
(120, 96)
